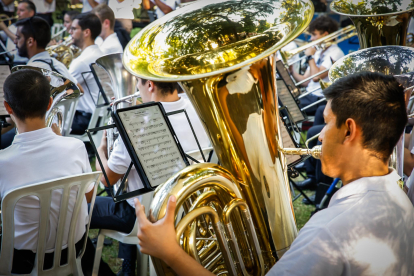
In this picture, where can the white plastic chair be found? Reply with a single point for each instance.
(130, 238)
(43, 192)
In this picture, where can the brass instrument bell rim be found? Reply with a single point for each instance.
(291, 35)
(340, 61)
(367, 15)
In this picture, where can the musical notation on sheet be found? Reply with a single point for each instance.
(4, 73)
(287, 99)
(153, 143)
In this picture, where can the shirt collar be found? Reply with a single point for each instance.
(111, 36)
(366, 184)
(173, 106)
(42, 55)
(34, 136)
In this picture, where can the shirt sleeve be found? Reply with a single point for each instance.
(313, 253)
(76, 68)
(119, 160)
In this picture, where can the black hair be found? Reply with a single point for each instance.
(90, 21)
(323, 24)
(72, 14)
(165, 87)
(35, 27)
(28, 93)
(376, 103)
(30, 5)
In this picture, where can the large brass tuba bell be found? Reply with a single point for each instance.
(379, 23)
(239, 216)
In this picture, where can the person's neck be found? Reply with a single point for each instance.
(366, 164)
(35, 52)
(107, 33)
(30, 124)
(159, 97)
(87, 43)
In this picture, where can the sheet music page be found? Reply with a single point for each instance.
(105, 81)
(4, 73)
(288, 101)
(153, 143)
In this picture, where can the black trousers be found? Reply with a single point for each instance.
(24, 260)
(118, 216)
(310, 99)
(7, 138)
(80, 122)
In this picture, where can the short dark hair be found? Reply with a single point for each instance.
(165, 87)
(323, 24)
(105, 12)
(30, 5)
(35, 27)
(90, 21)
(376, 103)
(72, 14)
(28, 93)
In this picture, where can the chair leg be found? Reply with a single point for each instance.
(78, 271)
(98, 254)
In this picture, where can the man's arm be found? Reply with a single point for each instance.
(6, 30)
(93, 3)
(147, 4)
(158, 240)
(163, 7)
(102, 152)
(298, 77)
(312, 65)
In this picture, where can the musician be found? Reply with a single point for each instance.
(45, 9)
(25, 9)
(39, 154)
(32, 45)
(367, 228)
(110, 43)
(122, 217)
(68, 19)
(318, 60)
(8, 7)
(85, 28)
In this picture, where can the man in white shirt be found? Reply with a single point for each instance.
(45, 9)
(25, 9)
(43, 155)
(318, 60)
(123, 218)
(110, 43)
(367, 228)
(163, 6)
(85, 28)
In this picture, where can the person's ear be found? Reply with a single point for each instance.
(151, 86)
(8, 108)
(30, 42)
(50, 103)
(325, 33)
(107, 23)
(86, 33)
(351, 131)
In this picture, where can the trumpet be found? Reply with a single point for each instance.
(4, 17)
(58, 33)
(322, 43)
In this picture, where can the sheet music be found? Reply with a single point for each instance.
(288, 143)
(153, 142)
(287, 99)
(4, 73)
(104, 80)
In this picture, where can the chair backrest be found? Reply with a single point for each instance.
(43, 191)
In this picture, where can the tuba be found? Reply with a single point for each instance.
(238, 216)
(123, 85)
(379, 23)
(61, 89)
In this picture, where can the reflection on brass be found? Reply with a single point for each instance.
(379, 23)
(61, 89)
(64, 52)
(222, 54)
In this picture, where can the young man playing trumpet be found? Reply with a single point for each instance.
(367, 228)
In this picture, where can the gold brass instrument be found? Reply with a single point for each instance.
(5, 17)
(239, 216)
(61, 89)
(379, 23)
(64, 52)
(322, 43)
(58, 34)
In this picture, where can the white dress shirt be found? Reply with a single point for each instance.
(38, 156)
(120, 160)
(124, 9)
(323, 58)
(367, 229)
(81, 65)
(87, 7)
(34, 61)
(111, 45)
(44, 7)
(9, 7)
